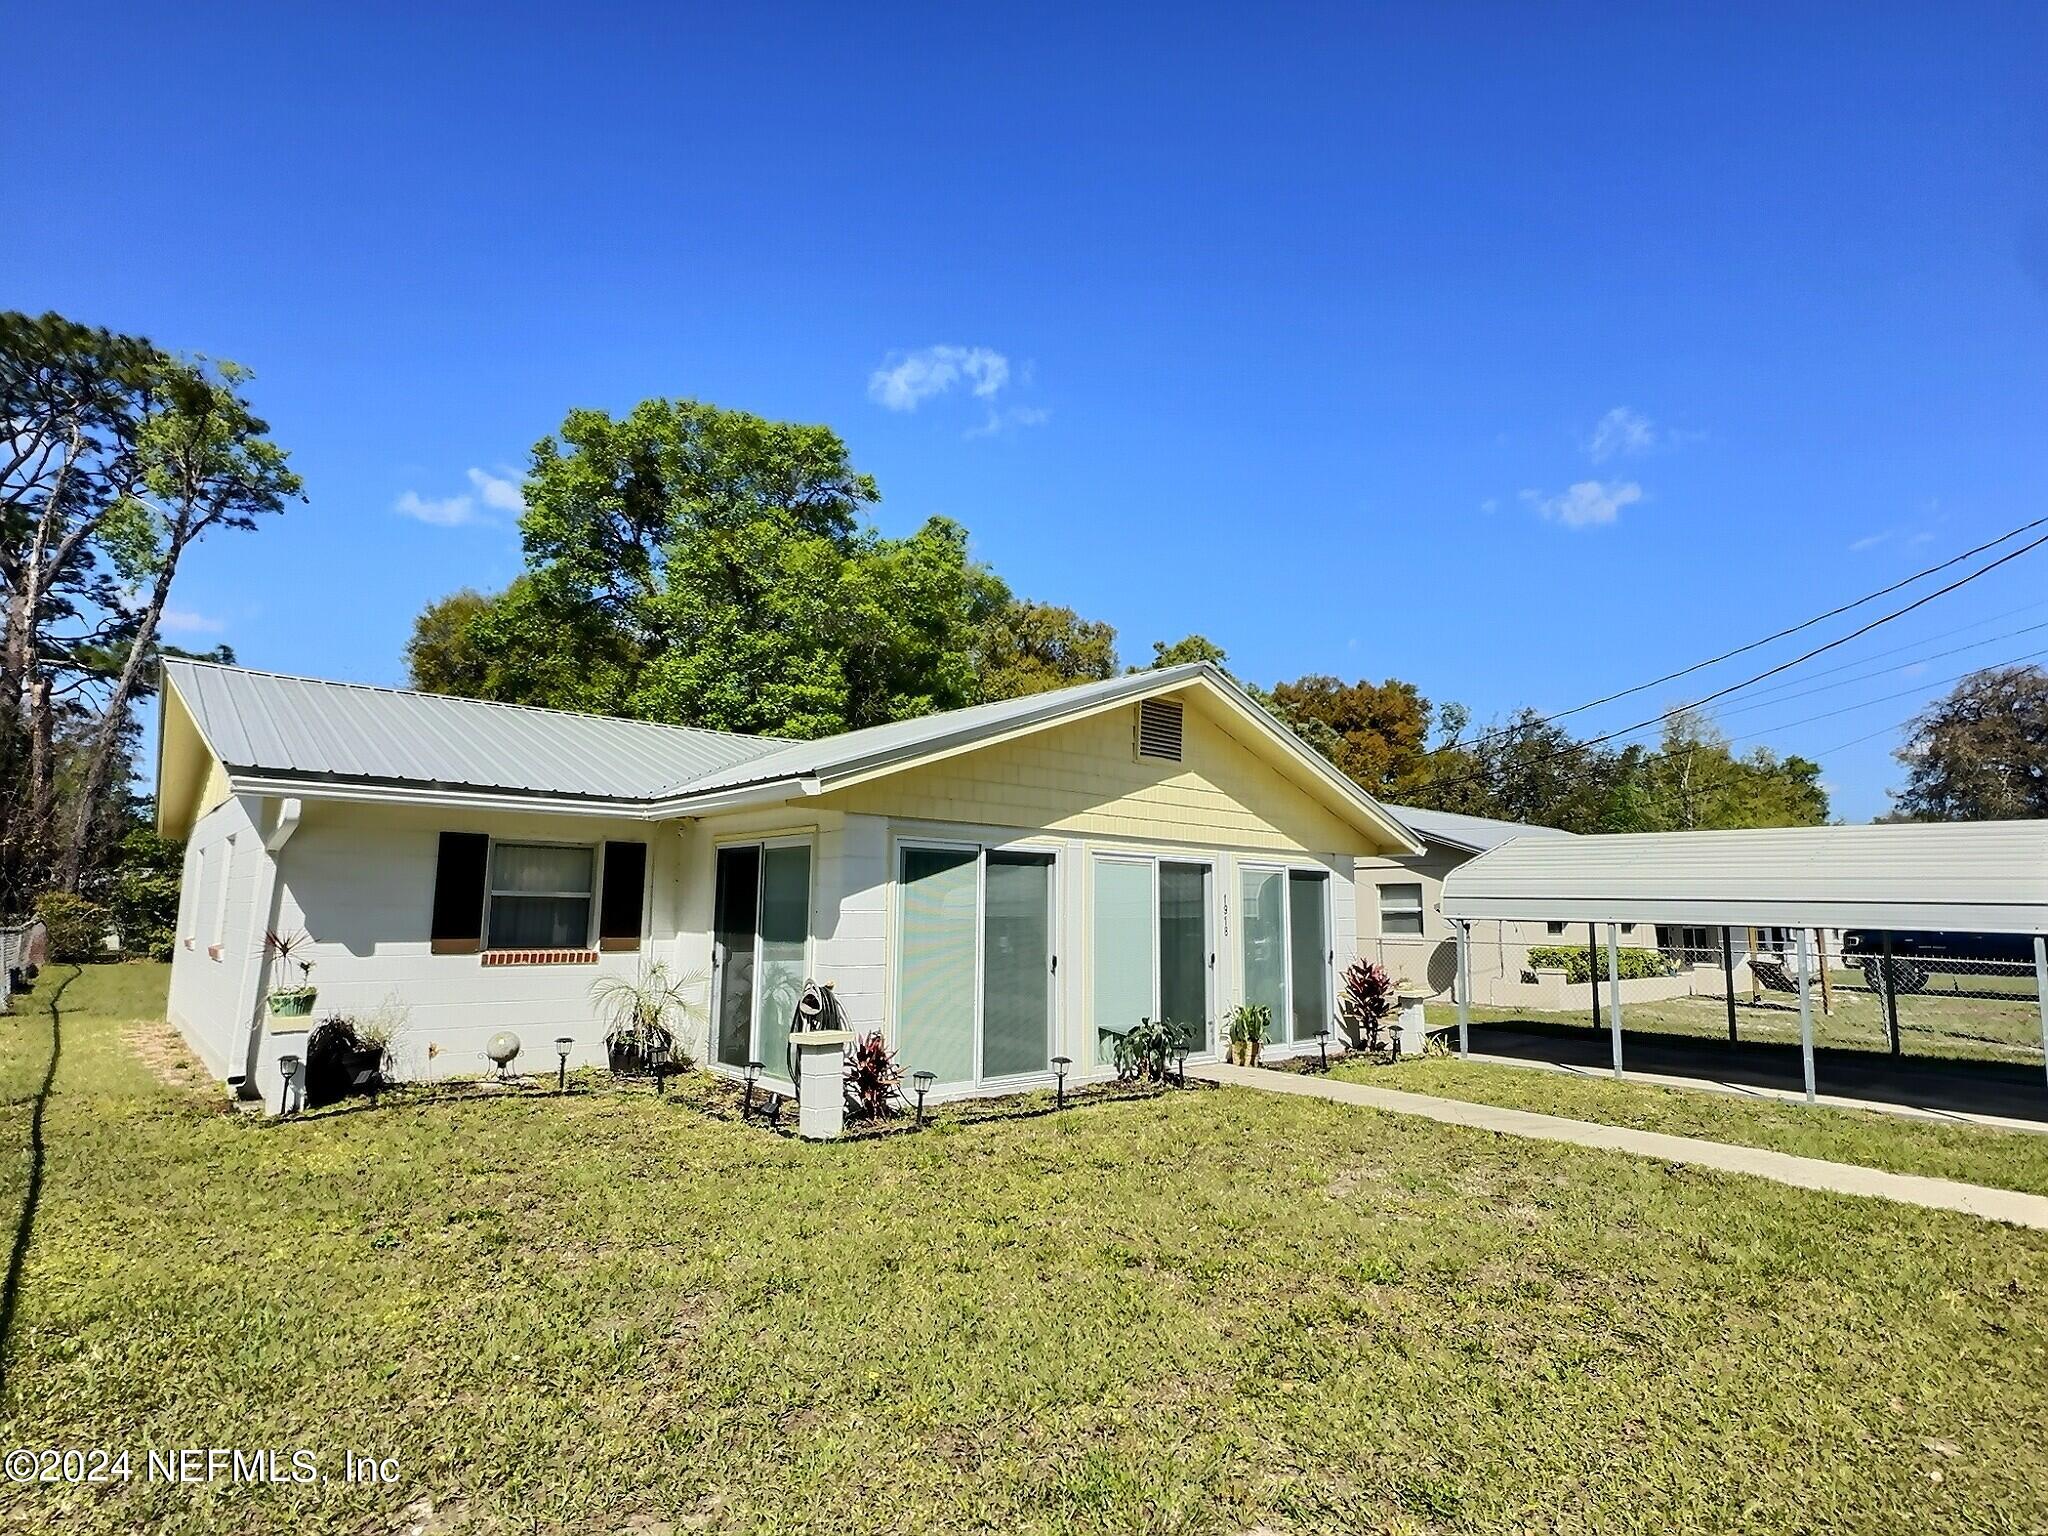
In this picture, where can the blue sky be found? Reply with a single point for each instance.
(1524, 352)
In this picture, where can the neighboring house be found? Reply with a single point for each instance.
(992, 888)
(1401, 922)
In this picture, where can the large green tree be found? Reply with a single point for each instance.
(709, 567)
(1375, 732)
(117, 458)
(1981, 754)
(1026, 647)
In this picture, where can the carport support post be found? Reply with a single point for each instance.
(1728, 978)
(1464, 987)
(2041, 988)
(1891, 999)
(1592, 970)
(1806, 1012)
(1613, 995)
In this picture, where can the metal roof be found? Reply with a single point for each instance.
(266, 726)
(1974, 877)
(1474, 833)
(268, 723)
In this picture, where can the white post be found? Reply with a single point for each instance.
(1613, 995)
(2041, 990)
(820, 1077)
(1464, 987)
(1806, 1013)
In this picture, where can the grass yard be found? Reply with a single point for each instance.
(1939, 1149)
(1995, 1019)
(1206, 1312)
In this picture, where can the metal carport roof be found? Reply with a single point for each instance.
(1977, 877)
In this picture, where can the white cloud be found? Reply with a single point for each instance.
(501, 491)
(1621, 431)
(1868, 541)
(1490, 506)
(905, 382)
(441, 512)
(183, 621)
(1588, 504)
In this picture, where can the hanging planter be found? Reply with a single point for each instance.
(292, 1002)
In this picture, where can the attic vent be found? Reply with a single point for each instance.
(1159, 727)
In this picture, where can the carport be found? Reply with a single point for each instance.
(1964, 877)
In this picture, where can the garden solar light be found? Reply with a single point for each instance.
(1323, 1047)
(1180, 1057)
(922, 1083)
(753, 1075)
(289, 1066)
(1394, 1036)
(562, 1045)
(1059, 1066)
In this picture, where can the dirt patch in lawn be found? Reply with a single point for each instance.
(163, 1051)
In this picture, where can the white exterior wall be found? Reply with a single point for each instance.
(218, 949)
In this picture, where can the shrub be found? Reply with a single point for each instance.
(640, 1014)
(336, 1051)
(1574, 961)
(1368, 1000)
(78, 928)
(141, 893)
(1141, 1051)
(871, 1079)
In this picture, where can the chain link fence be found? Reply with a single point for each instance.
(1909, 996)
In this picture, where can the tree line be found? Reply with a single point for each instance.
(706, 567)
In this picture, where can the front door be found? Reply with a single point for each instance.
(761, 911)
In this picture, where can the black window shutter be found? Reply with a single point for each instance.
(459, 893)
(625, 881)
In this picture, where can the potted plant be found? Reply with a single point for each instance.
(344, 1057)
(640, 1014)
(291, 1001)
(1248, 1025)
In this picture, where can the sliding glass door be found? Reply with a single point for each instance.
(975, 963)
(1151, 950)
(1284, 920)
(761, 926)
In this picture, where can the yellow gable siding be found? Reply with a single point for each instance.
(1087, 778)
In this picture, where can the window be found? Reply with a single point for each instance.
(540, 896)
(1401, 911)
(1284, 947)
(1553, 928)
(761, 927)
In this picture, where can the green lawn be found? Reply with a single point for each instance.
(1940, 1149)
(1996, 1018)
(1207, 1312)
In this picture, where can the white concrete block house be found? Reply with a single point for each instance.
(992, 887)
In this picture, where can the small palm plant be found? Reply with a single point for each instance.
(642, 1013)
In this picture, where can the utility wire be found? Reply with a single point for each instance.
(1803, 624)
(1780, 696)
(1783, 666)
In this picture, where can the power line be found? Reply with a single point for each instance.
(1783, 666)
(1780, 696)
(1803, 624)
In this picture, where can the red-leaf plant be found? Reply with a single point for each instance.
(1368, 1001)
(871, 1079)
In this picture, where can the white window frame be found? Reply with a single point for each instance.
(1287, 1042)
(1421, 908)
(775, 1070)
(1210, 926)
(593, 894)
(1055, 1015)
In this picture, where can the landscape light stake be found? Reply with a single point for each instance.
(562, 1045)
(1180, 1056)
(1394, 1036)
(747, 1103)
(1323, 1048)
(289, 1066)
(922, 1082)
(1059, 1067)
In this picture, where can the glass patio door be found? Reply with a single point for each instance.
(1151, 950)
(1284, 920)
(761, 925)
(975, 963)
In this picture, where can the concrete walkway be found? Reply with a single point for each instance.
(1783, 1167)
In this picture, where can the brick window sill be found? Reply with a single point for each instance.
(540, 957)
